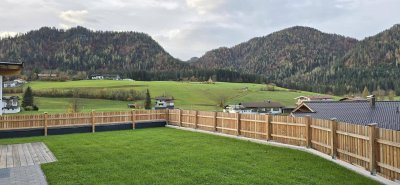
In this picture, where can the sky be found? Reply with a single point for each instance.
(189, 28)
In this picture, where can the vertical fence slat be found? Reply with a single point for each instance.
(46, 117)
(238, 124)
(133, 117)
(196, 119)
(215, 121)
(180, 117)
(308, 131)
(93, 121)
(333, 138)
(268, 126)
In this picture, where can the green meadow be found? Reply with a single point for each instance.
(188, 95)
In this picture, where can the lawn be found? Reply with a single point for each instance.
(60, 105)
(170, 156)
(188, 95)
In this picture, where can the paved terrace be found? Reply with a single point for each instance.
(26, 154)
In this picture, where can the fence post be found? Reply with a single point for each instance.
(46, 117)
(133, 117)
(372, 147)
(333, 138)
(180, 117)
(93, 122)
(215, 121)
(238, 123)
(167, 117)
(195, 119)
(268, 126)
(308, 131)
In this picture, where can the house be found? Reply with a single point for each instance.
(164, 102)
(352, 98)
(47, 75)
(20, 81)
(264, 107)
(104, 77)
(385, 113)
(96, 77)
(301, 99)
(7, 69)
(10, 104)
(14, 83)
(10, 84)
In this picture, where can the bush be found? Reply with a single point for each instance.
(31, 108)
(13, 90)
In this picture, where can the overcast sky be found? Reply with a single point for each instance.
(187, 28)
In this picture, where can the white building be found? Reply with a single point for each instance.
(264, 107)
(10, 104)
(8, 68)
(302, 99)
(164, 102)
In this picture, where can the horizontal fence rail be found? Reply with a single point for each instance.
(374, 149)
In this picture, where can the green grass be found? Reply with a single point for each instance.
(170, 156)
(188, 95)
(60, 105)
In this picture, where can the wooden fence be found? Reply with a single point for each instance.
(372, 148)
(46, 121)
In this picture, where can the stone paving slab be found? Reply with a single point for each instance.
(23, 175)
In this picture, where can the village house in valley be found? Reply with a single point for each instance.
(104, 77)
(302, 99)
(11, 104)
(263, 107)
(164, 102)
(14, 83)
(7, 69)
(362, 112)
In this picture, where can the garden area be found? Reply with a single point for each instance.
(170, 156)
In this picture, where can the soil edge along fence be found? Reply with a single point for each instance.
(374, 149)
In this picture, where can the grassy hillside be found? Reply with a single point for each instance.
(60, 105)
(188, 95)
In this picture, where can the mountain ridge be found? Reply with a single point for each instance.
(298, 57)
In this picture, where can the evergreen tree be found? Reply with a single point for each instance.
(365, 92)
(27, 99)
(147, 104)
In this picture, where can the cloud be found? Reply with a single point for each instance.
(204, 6)
(7, 34)
(72, 18)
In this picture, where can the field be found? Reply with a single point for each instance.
(60, 105)
(188, 95)
(170, 156)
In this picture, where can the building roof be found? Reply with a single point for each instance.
(320, 97)
(263, 104)
(10, 68)
(164, 98)
(10, 97)
(385, 113)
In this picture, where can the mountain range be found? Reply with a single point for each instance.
(298, 57)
